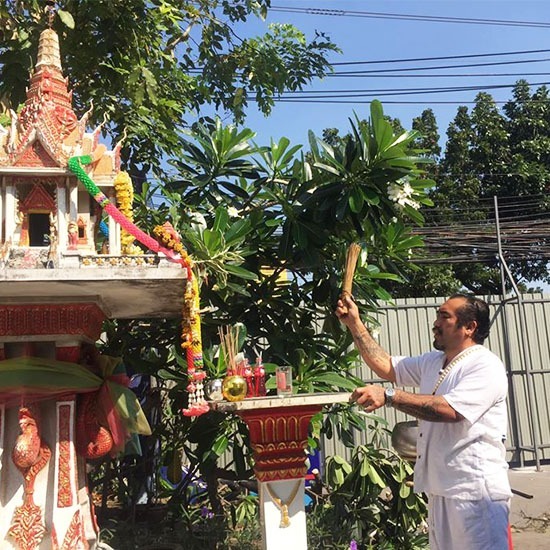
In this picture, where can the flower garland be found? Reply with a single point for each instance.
(125, 198)
(166, 234)
(191, 341)
(174, 250)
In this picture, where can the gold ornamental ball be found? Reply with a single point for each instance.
(234, 388)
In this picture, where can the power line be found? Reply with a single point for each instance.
(438, 58)
(317, 94)
(441, 67)
(410, 17)
(432, 75)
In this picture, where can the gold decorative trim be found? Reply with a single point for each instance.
(282, 505)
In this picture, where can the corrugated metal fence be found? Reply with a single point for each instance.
(520, 336)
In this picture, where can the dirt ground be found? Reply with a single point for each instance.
(530, 518)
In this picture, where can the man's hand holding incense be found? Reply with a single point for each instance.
(348, 313)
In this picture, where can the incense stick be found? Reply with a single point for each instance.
(229, 342)
(349, 270)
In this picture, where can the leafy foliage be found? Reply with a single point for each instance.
(370, 499)
(491, 154)
(270, 254)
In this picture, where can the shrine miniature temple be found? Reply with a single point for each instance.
(65, 267)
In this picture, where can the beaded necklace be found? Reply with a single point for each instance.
(448, 368)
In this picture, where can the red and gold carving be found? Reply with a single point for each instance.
(73, 319)
(39, 199)
(92, 439)
(24, 238)
(27, 528)
(36, 156)
(74, 537)
(30, 454)
(46, 183)
(65, 464)
(279, 438)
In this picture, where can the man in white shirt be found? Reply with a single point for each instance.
(461, 407)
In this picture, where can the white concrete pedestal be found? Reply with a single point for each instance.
(278, 436)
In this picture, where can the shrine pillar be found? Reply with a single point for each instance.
(62, 216)
(44, 503)
(278, 436)
(2, 191)
(10, 220)
(114, 237)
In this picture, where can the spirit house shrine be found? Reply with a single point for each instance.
(65, 267)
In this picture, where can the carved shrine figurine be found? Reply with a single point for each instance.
(72, 229)
(93, 440)
(30, 454)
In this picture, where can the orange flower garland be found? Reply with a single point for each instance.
(191, 341)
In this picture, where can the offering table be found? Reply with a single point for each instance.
(278, 436)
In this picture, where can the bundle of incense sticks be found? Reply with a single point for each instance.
(349, 269)
(229, 342)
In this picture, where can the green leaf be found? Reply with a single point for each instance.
(237, 230)
(66, 18)
(221, 220)
(335, 379)
(212, 239)
(241, 272)
(356, 201)
(404, 490)
(375, 477)
(235, 189)
(365, 469)
(220, 445)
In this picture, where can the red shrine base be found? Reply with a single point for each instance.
(278, 434)
(46, 502)
(279, 438)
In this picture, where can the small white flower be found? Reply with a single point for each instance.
(408, 190)
(232, 212)
(394, 192)
(402, 195)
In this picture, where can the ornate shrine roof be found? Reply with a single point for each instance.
(47, 132)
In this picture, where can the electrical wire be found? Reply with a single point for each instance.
(442, 67)
(397, 91)
(434, 75)
(437, 58)
(410, 17)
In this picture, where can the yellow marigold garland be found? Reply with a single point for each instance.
(191, 341)
(125, 198)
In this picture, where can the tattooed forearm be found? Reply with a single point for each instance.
(425, 407)
(424, 412)
(374, 356)
(368, 348)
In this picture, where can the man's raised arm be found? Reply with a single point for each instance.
(374, 356)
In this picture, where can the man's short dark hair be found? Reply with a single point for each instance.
(477, 310)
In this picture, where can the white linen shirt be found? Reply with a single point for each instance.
(458, 459)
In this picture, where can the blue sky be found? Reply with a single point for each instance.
(373, 39)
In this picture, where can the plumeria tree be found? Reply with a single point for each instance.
(268, 227)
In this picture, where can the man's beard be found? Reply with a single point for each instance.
(437, 343)
(438, 346)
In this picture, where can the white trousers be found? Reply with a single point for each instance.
(468, 524)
